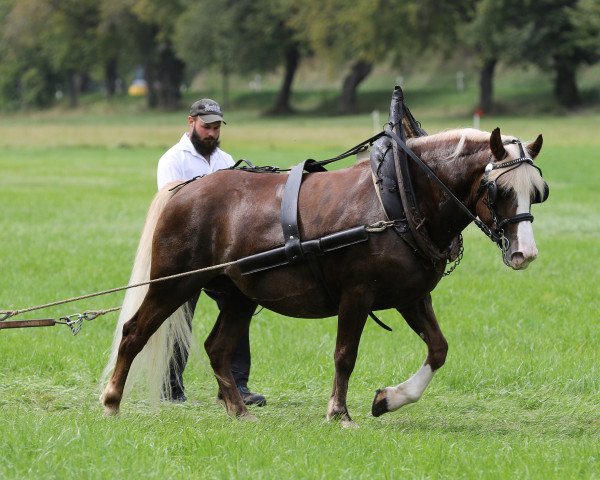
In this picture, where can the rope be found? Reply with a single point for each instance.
(11, 313)
(89, 315)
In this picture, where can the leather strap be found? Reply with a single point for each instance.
(289, 214)
(384, 170)
(289, 209)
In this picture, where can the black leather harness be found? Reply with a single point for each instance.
(296, 250)
(389, 167)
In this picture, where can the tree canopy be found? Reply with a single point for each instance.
(52, 47)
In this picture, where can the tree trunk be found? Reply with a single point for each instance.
(292, 60)
(151, 82)
(110, 77)
(164, 76)
(359, 71)
(85, 82)
(486, 85)
(225, 80)
(73, 86)
(565, 83)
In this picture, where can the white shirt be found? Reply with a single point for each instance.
(183, 162)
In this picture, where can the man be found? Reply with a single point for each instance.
(198, 154)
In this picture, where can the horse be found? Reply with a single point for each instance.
(233, 214)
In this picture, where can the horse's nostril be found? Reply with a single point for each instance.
(517, 256)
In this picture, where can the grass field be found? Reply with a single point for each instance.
(519, 396)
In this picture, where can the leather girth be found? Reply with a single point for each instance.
(294, 250)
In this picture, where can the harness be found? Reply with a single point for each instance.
(296, 250)
(389, 165)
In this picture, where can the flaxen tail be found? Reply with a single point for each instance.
(150, 369)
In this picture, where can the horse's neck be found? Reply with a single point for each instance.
(444, 219)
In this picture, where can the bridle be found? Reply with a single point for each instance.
(490, 188)
(496, 233)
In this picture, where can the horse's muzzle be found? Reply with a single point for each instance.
(520, 260)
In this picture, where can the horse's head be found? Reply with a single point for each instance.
(510, 184)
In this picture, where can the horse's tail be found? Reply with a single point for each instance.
(151, 365)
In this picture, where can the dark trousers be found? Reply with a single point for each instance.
(240, 361)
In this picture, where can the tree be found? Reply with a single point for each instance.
(164, 70)
(71, 41)
(52, 45)
(561, 36)
(490, 33)
(359, 34)
(240, 36)
(343, 33)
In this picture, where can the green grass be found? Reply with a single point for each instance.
(517, 398)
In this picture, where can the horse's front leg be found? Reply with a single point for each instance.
(421, 318)
(355, 305)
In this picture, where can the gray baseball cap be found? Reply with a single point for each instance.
(208, 110)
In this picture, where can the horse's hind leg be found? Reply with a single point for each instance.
(354, 309)
(157, 306)
(234, 320)
(421, 318)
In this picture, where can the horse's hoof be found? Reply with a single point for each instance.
(110, 411)
(343, 417)
(111, 407)
(380, 405)
(348, 423)
(247, 417)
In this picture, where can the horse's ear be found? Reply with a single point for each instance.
(535, 147)
(496, 144)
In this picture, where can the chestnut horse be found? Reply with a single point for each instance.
(233, 214)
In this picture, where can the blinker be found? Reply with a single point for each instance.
(492, 192)
(537, 198)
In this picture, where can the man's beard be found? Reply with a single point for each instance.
(204, 147)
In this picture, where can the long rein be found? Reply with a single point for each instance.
(75, 321)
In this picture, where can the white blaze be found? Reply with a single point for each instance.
(525, 241)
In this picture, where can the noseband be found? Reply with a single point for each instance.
(491, 189)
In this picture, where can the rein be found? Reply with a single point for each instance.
(311, 164)
(75, 321)
(404, 186)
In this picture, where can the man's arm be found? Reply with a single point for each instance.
(169, 168)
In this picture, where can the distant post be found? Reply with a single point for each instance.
(477, 114)
(460, 80)
(376, 121)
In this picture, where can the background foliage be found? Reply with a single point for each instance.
(76, 46)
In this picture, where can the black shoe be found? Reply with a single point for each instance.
(179, 398)
(176, 396)
(248, 397)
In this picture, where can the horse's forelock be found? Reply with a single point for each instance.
(523, 180)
